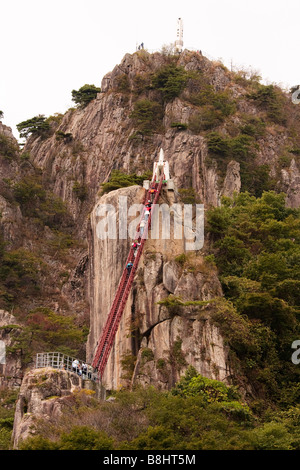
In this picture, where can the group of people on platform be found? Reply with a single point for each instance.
(82, 369)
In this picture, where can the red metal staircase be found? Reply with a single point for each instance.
(114, 317)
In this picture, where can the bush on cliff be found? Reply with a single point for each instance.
(119, 179)
(256, 247)
(85, 95)
(37, 126)
(170, 81)
(147, 116)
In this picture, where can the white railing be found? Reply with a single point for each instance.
(71, 364)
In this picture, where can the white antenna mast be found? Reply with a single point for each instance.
(179, 36)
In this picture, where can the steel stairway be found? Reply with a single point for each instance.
(115, 314)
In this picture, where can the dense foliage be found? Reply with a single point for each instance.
(46, 330)
(37, 126)
(170, 81)
(119, 179)
(197, 414)
(35, 201)
(85, 95)
(26, 276)
(253, 242)
(147, 116)
(7, 408)
(256, 249)
(9, 149)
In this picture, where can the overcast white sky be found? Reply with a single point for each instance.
(50, 48)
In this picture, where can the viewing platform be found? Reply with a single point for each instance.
(88, 377)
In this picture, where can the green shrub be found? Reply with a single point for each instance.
(20, 270)
(204, 119)
(181, 259)
(241, 149)
(81, 190)
(257, 179)
(219, 100)
(35, 201)
(45, 330)
(253, 126)
(8, 400)
(25, 156)
(85, 95)
(37, 443)
(119, 179)
(256, 250)
(176, 355)
(36, 126)
(233, 249)
(128, 362)
(147, 116)
(85, 438)
(194, 384)
(170, 81)
(213, 106)
(67, 137)
(122, 83)
(188, 195)
(270, 98)
(8, 147)
(141, 83)
(79, 438)
(179, 125)
(147, 354)
(272, 436)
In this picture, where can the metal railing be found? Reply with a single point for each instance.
(71, 364)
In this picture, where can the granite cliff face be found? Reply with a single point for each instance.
(101, 137)
(153, 344)
(43, 395)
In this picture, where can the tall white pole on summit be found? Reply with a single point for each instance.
(179, 36)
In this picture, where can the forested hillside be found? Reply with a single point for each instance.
(203, 358)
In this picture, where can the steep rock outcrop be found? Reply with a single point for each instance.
(160, 342)
(101, 139)
(11, 368)
(108, 257)
(10, 215)
(42, 395)
(291, 184)
(84, 146)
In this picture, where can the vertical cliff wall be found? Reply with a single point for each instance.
(154, 344)
(81, 149)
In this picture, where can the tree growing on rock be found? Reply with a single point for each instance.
(38, 126)
(85, 95)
